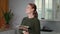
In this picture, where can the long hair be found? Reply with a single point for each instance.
(35, 11)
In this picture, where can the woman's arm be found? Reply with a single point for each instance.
(37, 27)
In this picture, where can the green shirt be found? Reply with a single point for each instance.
(33, 23)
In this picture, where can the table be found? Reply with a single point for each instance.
(8, 32)
(49, 33)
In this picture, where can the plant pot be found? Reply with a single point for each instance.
(7, 26)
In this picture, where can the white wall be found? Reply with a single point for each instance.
(18, 8)
(56, 13)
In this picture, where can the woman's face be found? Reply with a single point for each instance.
(29, 9)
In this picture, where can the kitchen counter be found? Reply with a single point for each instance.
(7, 32)
(14, 32)
(49, 33)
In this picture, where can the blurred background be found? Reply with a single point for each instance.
(13, 11)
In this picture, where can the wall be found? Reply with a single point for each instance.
(56, 12)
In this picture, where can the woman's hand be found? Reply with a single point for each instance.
(23, 28)
(25, 32)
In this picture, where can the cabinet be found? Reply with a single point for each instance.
(3, 7)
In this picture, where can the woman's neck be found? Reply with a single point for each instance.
(30, 16)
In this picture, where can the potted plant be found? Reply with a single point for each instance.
(8, 16)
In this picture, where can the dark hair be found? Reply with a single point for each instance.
(34, 7)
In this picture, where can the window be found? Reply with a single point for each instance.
(47, 8)
(39, 8)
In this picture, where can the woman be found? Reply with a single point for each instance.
(30, 24)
